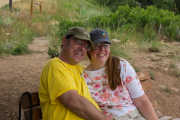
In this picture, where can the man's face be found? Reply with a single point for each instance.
(76, 50)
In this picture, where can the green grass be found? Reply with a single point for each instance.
(151, 73)
(17, 29)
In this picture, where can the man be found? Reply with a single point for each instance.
(63, 93)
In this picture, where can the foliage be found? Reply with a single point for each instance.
(151, 20)
(155, 46)
(15, 36)
(149, 32)
(1, 20)
(163, 4)
(113, 4)
(177, 5)
(20, 48)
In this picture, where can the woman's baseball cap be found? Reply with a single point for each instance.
(99, 36)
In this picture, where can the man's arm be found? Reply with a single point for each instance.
(144, 105)
(80, 106)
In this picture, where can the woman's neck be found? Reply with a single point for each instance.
(95, 66)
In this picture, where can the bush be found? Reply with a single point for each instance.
(114, 4)
(162, 21)
(172, 5)
(149, 32)
(1, 20)
(15, 38)
(20, 48)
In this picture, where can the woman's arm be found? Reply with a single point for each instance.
(145, 107)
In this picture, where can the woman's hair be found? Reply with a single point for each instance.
(113, 70)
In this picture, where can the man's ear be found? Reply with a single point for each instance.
(63, 42)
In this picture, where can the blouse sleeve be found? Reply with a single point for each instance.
(131, 80)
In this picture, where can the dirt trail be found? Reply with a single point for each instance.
(18, 74)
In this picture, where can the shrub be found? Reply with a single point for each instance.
(149, 32)
(113, 4)
(1, 20)
(20, 48)
(151, 20)
(16, 37)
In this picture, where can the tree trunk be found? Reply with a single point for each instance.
(178, 5)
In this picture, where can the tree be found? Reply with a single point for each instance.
(178, 5)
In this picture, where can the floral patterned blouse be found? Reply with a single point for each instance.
(119, 101)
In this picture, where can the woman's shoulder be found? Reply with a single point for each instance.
(122, 61)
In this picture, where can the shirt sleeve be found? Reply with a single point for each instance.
(59, 82)
(131, 81)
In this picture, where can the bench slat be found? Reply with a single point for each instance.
(36, 114)
(25, 100)
(30, 104)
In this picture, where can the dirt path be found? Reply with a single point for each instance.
(19, 74)
(165, 89)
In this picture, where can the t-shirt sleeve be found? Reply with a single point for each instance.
(131, 81)
(59, 82)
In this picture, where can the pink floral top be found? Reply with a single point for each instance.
(119, 101)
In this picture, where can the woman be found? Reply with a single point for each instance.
(113, 83)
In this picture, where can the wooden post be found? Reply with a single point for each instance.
(31, 11)
(35, 3)
(10, 5)
(40, 7)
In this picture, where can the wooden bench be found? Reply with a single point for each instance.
(29, 105)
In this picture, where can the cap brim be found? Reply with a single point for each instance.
(82, 37)
(102, 41)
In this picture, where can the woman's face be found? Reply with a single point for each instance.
(100, 53)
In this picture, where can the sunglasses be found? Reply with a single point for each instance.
(100, 46)
(82, 43)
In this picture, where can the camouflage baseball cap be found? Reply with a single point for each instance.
(79, 33)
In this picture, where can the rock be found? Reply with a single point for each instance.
(54, 22)
(176, 119)
(159, 114)
(143, 76)
(8, 34)
(175, 89)
(154, 49)
(155, 58)
(165, 118)
(170, 54)
(115, 40)
(163, 87)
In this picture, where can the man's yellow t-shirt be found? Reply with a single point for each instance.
(57, 78)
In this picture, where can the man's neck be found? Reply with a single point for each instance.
(65, 59)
